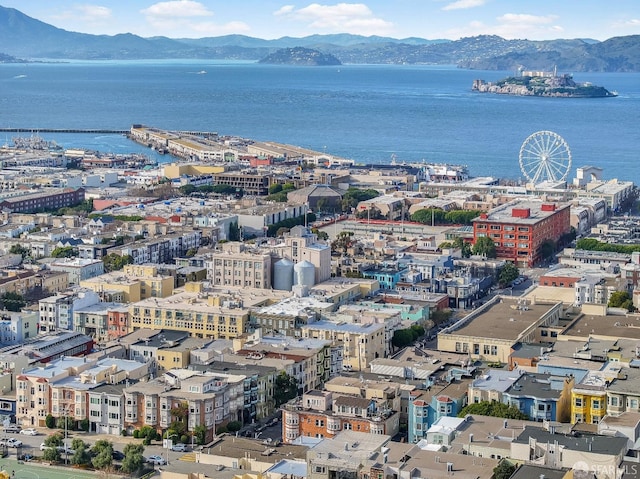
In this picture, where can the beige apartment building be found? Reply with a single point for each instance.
(133, 283)
(237, 265)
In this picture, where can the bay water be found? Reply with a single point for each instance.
(363, 112)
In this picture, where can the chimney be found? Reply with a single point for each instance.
(449, 466)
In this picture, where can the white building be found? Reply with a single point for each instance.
(56, 312)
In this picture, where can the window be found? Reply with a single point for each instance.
(595, 404)
(614, 401)
(578, 402)
(494, 350)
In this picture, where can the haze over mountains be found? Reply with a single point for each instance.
(23, 37)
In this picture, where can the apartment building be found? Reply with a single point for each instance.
(78, 269)
(521, 227)
(323, 414)
(56, 312)
(361, 343)
(133, 283)
(93, 320)
(48, 199)
(238, 265)
(207, 399)
(162, 249)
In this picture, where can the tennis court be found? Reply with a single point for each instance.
(30, 470)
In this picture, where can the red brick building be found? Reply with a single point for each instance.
(520, 228)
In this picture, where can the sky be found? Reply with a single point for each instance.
(269, 19)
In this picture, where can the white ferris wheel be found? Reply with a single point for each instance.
(545, 156)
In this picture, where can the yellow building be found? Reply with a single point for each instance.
(200, 315)
(177, 170)
(133, 283)
(589, 397)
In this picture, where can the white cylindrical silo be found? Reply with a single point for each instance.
(304, 274)
(283, 275)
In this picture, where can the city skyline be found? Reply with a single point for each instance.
(269, 19)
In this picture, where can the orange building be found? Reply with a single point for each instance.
(322, 414)
(117, 322)
(520, 228)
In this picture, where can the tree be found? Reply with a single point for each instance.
(103, 460)
(186, 190)
(200, 434)
(133, 459)
(322, 235)
(402, 338)
(54, 440)
(84, 424)
(275, 188)
(508, 273)
(50, 421)
(191, 252)
(285, 389)
(81, 456)
(234, 426)
(353, 196)
(621, 299)
(115, 262)
(77, 443)
(504, 470)
(485, 246)
(494, 409)
(12, 301)
(19, 249)
(51, 454)
(64, 252)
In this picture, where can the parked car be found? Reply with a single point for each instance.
(157, 460)
(12, 428)
(13, 442)
(179, 447)
(30, 431)
(117, 456)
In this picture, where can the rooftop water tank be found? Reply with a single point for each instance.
(283, 275)
(304, 273)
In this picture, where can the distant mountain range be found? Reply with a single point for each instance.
(23, 37)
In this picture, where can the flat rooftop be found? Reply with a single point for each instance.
(501, 320)
(609, 326)
(504, 213)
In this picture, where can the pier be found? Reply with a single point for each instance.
(100, 131)
(63, 130)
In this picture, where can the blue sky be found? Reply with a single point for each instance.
(452, 19)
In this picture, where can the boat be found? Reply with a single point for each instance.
(202, 72)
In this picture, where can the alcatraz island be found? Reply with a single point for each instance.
(543, 83)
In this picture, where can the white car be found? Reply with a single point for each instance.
(29, 432)
(179, 447)
(157, 460)
(14, 442)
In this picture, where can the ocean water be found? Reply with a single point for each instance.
(364, 112)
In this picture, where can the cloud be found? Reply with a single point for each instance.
(186, 18)
(464, 4)
(86, 13)
(341, 17)
(177, 9)
(513, 25)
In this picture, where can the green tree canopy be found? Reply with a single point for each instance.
(115, 262)
(508, 273)
(593, 244)
(285, 389)
(54, 440)
(485, 246)
(133, 459)
(504, 470)
(494, 409)
(621, 299)
(81, 456)
(64, 252)
(12, 301)
(353, 196)
(19, 249)
(51, 454)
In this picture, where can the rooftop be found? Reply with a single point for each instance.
(537, 211)
(583, 442)
(506, 318)
(608, 326)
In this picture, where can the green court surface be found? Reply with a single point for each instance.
(34, 470)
